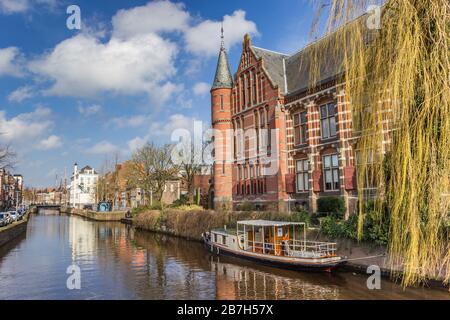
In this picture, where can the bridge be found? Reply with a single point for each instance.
(46, 206)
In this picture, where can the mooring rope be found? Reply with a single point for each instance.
(370, 257)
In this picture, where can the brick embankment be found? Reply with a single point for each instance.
(12, 231)
(94, 215)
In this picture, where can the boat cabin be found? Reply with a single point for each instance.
(276, 238)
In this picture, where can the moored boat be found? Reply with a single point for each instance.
(276, 243)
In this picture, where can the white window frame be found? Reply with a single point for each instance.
(302, 175)
(333, 169)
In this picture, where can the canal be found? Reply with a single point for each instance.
(118, 262)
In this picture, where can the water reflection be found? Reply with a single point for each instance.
(118, 262)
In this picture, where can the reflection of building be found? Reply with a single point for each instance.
(235, 282)
(83, 187)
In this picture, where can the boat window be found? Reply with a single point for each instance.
(215, 237)
(224, 240)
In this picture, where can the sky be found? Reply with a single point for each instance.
(134, 72)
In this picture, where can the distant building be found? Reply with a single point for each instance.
(11, 189)
(83, 187)
(127, 195)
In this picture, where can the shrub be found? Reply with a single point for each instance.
(301, 216)
(191, 207)
(246, 206)
(333, 205)
(180, 202)
(374, 230)
(330, 227)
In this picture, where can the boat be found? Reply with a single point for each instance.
(274, 243)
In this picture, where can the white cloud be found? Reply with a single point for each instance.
(158, 16)
(129, 122)
(200, 38)
(89, 110)
(10, 62)
(175, 121)
(103, 147)
(162, 130)
(13, 6)
(137, 143)
(21, 6)
(25, 127)
(83, 66)
(21, 94)
(52, 142)
(201, 88)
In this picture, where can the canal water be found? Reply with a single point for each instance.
(118, 262)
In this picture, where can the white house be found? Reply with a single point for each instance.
(83, 187)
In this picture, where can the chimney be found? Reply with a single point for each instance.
(75, 168)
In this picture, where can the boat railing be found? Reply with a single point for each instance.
(293, 248)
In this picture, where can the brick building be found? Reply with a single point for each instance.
(290, 143)
(11, 189)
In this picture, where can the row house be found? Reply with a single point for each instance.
(291, 143)
(11, 189)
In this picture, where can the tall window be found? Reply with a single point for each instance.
(254, 87)
(251, 172)
(300, 128)
(331, 172)
(328, 120)
(249, 98)
(239, 140)
(369, 172)
(256, 119)
(302, 175)
(262, 123)
(269, 140)
(263, 90)
(221, 102)
(243, 93)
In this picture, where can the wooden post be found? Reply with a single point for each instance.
(264, 244)
(274, 241)
(254, 237)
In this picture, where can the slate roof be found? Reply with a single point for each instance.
(86, 169)
(223, 78)
(292, 72)
(274, 65)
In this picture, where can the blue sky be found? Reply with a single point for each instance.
(134, 72)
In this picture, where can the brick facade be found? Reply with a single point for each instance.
(311, 150)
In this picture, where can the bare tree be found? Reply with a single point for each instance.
(189, 159)
(7, 157)
(152, 168)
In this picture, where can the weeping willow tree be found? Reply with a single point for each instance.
(396, 76)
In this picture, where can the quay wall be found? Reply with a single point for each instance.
(13, 230)
(94, 215)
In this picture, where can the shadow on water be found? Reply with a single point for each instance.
(119, 262)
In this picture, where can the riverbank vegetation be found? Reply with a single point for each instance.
(397, 68)
(190, 222)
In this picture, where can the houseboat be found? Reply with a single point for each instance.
(275, 243)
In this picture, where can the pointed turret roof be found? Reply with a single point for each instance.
(223, 77)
